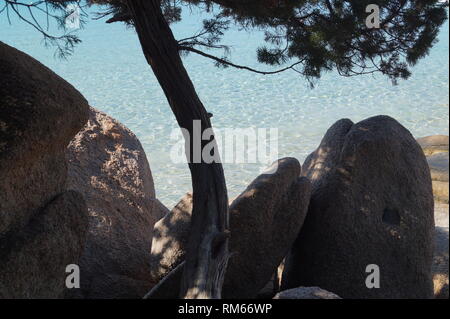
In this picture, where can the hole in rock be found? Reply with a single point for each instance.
(391, 217)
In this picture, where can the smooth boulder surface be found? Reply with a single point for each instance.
(42, 225)
(33, 262)
(264, 221)
(371, 204)
(39, 114)
(109, 167)
(306, 293)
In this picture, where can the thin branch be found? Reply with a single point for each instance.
(241, 67)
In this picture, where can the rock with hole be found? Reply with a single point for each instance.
(372, 204)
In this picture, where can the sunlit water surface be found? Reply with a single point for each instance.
(111, 72)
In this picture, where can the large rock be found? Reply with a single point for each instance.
(372, 203)
(33, 261)
(39, 114)
(438, 164)
(42, 226)
(306, 293)
(264, 221)
(434, 144)
(108, 166)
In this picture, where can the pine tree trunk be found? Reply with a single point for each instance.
(207, 251)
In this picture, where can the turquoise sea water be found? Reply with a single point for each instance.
(111, 72)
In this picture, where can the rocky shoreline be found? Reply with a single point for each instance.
(76, 188)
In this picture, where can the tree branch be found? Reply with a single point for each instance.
(241, 67)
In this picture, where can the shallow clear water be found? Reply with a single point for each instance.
(110, 70)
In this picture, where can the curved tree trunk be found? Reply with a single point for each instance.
(207, 252)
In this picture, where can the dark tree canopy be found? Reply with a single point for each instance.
(333, 33)
(306, 36)
(316, 36)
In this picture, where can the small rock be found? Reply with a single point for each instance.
(439, 167)
(306, 293)
(434, 144)
(439, 164)
(440, 191)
